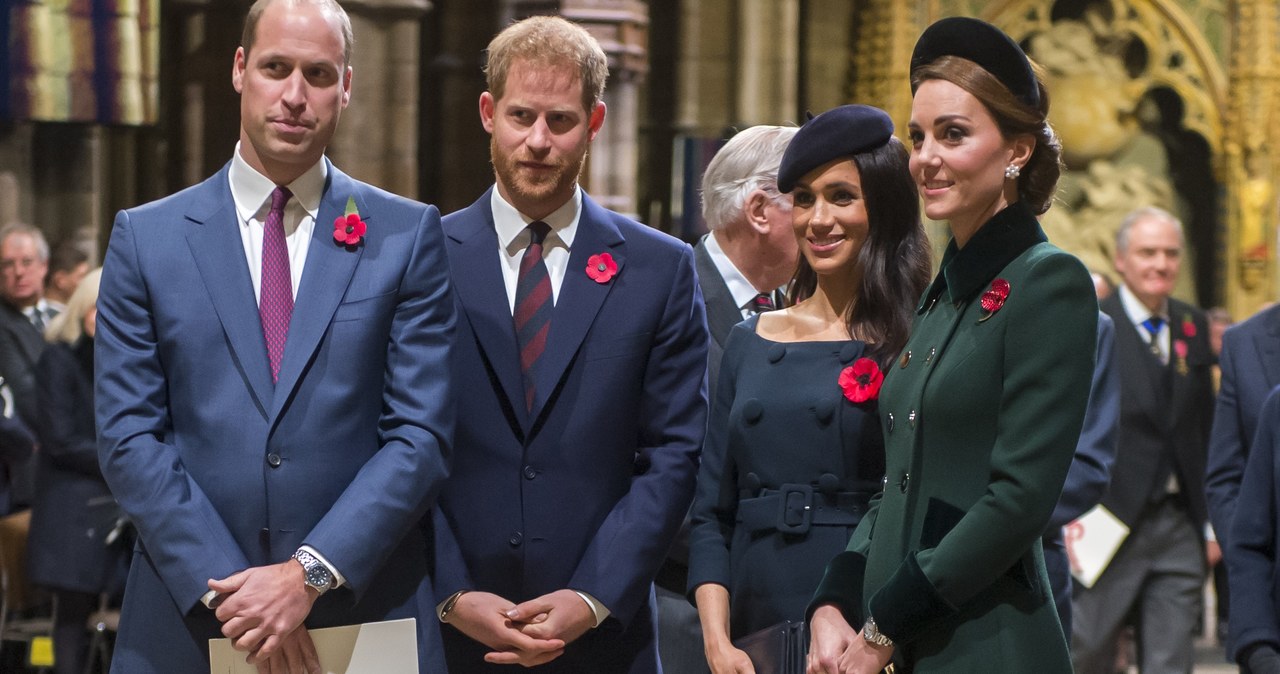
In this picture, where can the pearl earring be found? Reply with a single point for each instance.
(1012, 171)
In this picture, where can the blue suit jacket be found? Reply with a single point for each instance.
(587, 490)
(222, 470)
(1250, 362)
(1252, 543)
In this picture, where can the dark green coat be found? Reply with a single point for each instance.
(981, 413)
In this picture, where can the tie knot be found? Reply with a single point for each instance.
(279, 197)
(538, 232)
(762, 302)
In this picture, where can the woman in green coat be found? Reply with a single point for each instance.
(982, 409)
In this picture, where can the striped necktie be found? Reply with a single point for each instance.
(533, 307)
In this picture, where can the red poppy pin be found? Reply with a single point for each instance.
(861, 381)
(349, 229)
(994, 298)
(1188, 326)
(601, 268)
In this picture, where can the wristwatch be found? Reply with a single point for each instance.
(314, 572)
(871, 634)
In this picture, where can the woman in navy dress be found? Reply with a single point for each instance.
(793, 449)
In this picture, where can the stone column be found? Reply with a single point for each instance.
(622, 28)
(377, 139)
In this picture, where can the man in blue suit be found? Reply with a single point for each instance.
(1250, 363)
(583, 345)
(273, 390)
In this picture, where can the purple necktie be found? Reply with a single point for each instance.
(533, 306)
(275, 306)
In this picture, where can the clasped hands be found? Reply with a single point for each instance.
(835, 647)
(528, 634)
(261, 610)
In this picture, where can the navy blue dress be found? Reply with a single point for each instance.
(787, 470)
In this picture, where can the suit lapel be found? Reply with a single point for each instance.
(214, 237)
(580, 298)
(722, 312)
(324, 282)
(480, 288)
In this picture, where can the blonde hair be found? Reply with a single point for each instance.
(548, 42)
(68, 326)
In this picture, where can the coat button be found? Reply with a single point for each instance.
(273, 460)
(752, 410)
(906, 358)
(824, 410)
(530, 473)
(776, 352)
(902, 484)
(929, 358)
(888, 422)
(515, 539)
(911, 418)
(850, 351)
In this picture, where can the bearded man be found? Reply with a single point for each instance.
(583, 345)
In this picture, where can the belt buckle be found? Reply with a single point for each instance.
(795, 498)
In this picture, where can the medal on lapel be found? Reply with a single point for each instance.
(1180, 351)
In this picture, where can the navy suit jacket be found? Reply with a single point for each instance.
(587, 489)
(1250, 362)
(221, 469)
(1252, 543)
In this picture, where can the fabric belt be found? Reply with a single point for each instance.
(794, 508)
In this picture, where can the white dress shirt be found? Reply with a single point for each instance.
(251, 192)
(513, 238)
(1138, 312)
(743, 293)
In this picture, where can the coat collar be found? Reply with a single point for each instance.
(965, 271)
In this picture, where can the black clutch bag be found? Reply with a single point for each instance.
(777, 649)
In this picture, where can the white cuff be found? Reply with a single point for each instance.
(597, 609)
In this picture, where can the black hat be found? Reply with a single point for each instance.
(838, 132)
(983, 44)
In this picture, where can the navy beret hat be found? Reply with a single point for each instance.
(984, 44)
(838, 132)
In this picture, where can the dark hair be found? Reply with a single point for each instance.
(66, 257)
(1039, 178)
(894, 261)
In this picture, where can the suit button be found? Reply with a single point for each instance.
(888, 422)
(273, 460)
(902, 484)
(530, 473)
(906, 358)
(515, 539)
(911, 418)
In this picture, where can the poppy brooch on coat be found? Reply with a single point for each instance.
(349, 228)
(1188, 326)
(861, 381)
(993, 299)
(601, 268)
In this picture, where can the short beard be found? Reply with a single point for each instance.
(507, 171)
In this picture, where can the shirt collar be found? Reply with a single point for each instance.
(251, 190)
(509, 222)
(740, 288)
(965, 271)
(1136, 310)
